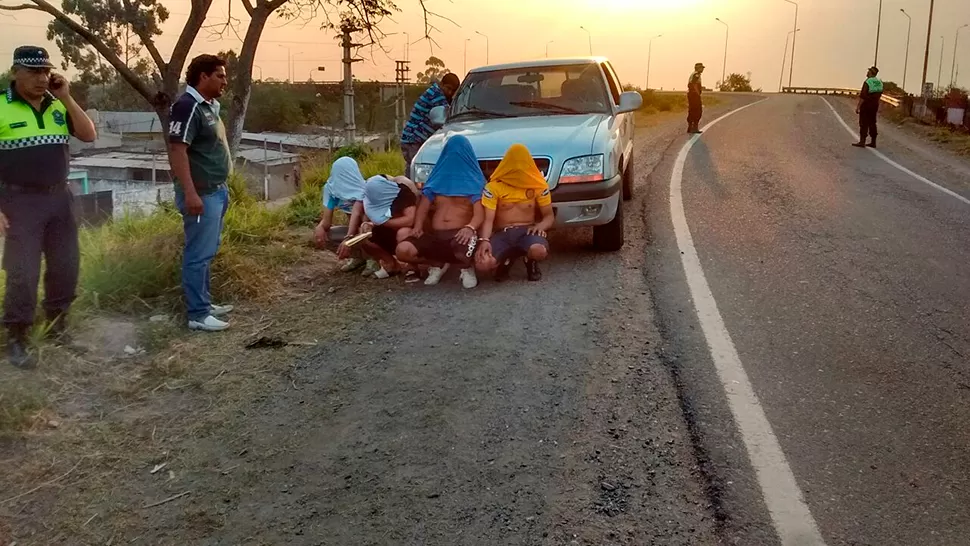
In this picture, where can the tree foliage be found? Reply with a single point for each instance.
(737, 83)
(435, 69)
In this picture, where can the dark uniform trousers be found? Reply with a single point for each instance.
(695, 108)
(867, 121)
(41, 222)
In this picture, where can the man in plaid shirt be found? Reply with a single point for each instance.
(418, 128)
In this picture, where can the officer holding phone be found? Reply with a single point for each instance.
(37, 118)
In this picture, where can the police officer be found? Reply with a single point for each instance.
(37, 116)
(868, 108)
(694, 106)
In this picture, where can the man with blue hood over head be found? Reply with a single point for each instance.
(455, 189)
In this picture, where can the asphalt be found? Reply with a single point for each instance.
(843, 283)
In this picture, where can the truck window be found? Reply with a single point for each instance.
(613, 81)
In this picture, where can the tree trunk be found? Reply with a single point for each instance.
(242, 83)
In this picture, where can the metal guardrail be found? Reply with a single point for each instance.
(892, 101)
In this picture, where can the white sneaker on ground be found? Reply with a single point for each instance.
(381, 274)
(468, 278)
(208, 324)
(220, 310)
(435, 274)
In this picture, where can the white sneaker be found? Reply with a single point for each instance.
(381, 274)
(220, 310)
(435, 274)
(468, 278)
(208, 324)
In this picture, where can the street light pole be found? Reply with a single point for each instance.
(791, 67)
(589, 37)
(486, 45)
(906, 60)
(785, 56)
(955, 41)
(407, 45)
(727, 30)
(649, 54)
(464, 58)
(926, 55)
(547, 47)
(875, 61)
(288, 61)
(939, 76)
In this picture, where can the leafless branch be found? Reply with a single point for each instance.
(21, 7)
(149, 43)
(249, 7)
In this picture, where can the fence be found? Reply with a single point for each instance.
(892, 101)
(94, 209)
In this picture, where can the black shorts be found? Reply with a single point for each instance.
(514, 242)
(441, 246)
(385, 237)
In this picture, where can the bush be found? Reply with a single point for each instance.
(358, 151)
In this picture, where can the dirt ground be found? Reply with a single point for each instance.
(516, 413)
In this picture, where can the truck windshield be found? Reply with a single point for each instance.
(532, 91)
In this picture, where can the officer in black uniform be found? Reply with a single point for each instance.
(868, 108)
(37, 117)
(695, 108)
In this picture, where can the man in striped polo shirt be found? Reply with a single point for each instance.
(418, 128)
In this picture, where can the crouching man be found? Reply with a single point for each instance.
(514, 198)
(455, 189)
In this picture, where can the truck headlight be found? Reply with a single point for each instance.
(420, 172)
(587, 168)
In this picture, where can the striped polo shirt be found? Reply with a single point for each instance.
(418, 128)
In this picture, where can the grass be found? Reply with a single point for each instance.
(659, 102)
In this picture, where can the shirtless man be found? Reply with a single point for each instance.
(455, 189)
(515, 196)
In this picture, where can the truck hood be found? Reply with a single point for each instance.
(555, 137)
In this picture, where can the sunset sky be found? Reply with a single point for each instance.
(835, 46)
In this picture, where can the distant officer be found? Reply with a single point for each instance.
(37, 116)
(694, 106)
(868, 108)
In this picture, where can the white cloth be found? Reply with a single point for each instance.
(345, 184)
(379, 195)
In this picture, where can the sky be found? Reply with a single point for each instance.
(834, 47)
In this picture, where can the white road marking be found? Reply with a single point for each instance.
(883, 157)
(789, 513)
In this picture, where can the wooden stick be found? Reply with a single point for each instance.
(170, 499)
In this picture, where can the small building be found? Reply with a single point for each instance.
(270, 174)
(309, 143)
(121, 170)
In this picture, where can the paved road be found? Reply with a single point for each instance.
(843, 283)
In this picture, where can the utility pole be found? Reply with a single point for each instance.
(939, 75)
(350, 128)
(400, 107)
(953, 67)
(727, 31)
(794, 28)
(926, 56)
(909, 30)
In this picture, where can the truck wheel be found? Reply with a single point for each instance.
(609, 238)
(628, 182)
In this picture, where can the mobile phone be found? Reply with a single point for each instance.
(56, 82)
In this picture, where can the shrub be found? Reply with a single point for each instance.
(358, 151)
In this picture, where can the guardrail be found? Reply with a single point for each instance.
(892, 101)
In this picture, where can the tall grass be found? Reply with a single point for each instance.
(304, 208)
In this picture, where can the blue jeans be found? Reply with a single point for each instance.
(202, 237)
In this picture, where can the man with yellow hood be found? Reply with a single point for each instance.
(518, 212)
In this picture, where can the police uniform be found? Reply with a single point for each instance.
(871, 94)
(695, 108)
(34, 197)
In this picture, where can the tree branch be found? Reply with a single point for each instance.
(149, 44)
(184, 44)
(21, 7)
(137, 83)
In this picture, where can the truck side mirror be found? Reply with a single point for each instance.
(630, 102)
(437, 116)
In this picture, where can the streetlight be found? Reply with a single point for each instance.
(906, 61)
(649, 53)
(464, 59)
(547, 47)
(293, 65)
(875, 61)
(939, 76)
(955, 40)
(317, 69)
(407, 45)
(791, 67)
(260, 78)
(589, 37)
(288, 61)
(724, 65)
(783, 57)
(486, 45)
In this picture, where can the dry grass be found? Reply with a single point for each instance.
(86, 448)
(658, 106)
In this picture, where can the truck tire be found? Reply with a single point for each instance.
(609, 237)
(628, 181)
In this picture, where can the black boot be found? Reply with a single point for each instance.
(872, 144)
(18, 349)
(532, 270)
(860, 144)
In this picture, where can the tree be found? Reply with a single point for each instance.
(737, 83)
(122, 32)
(892, 88)
(434, 71)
